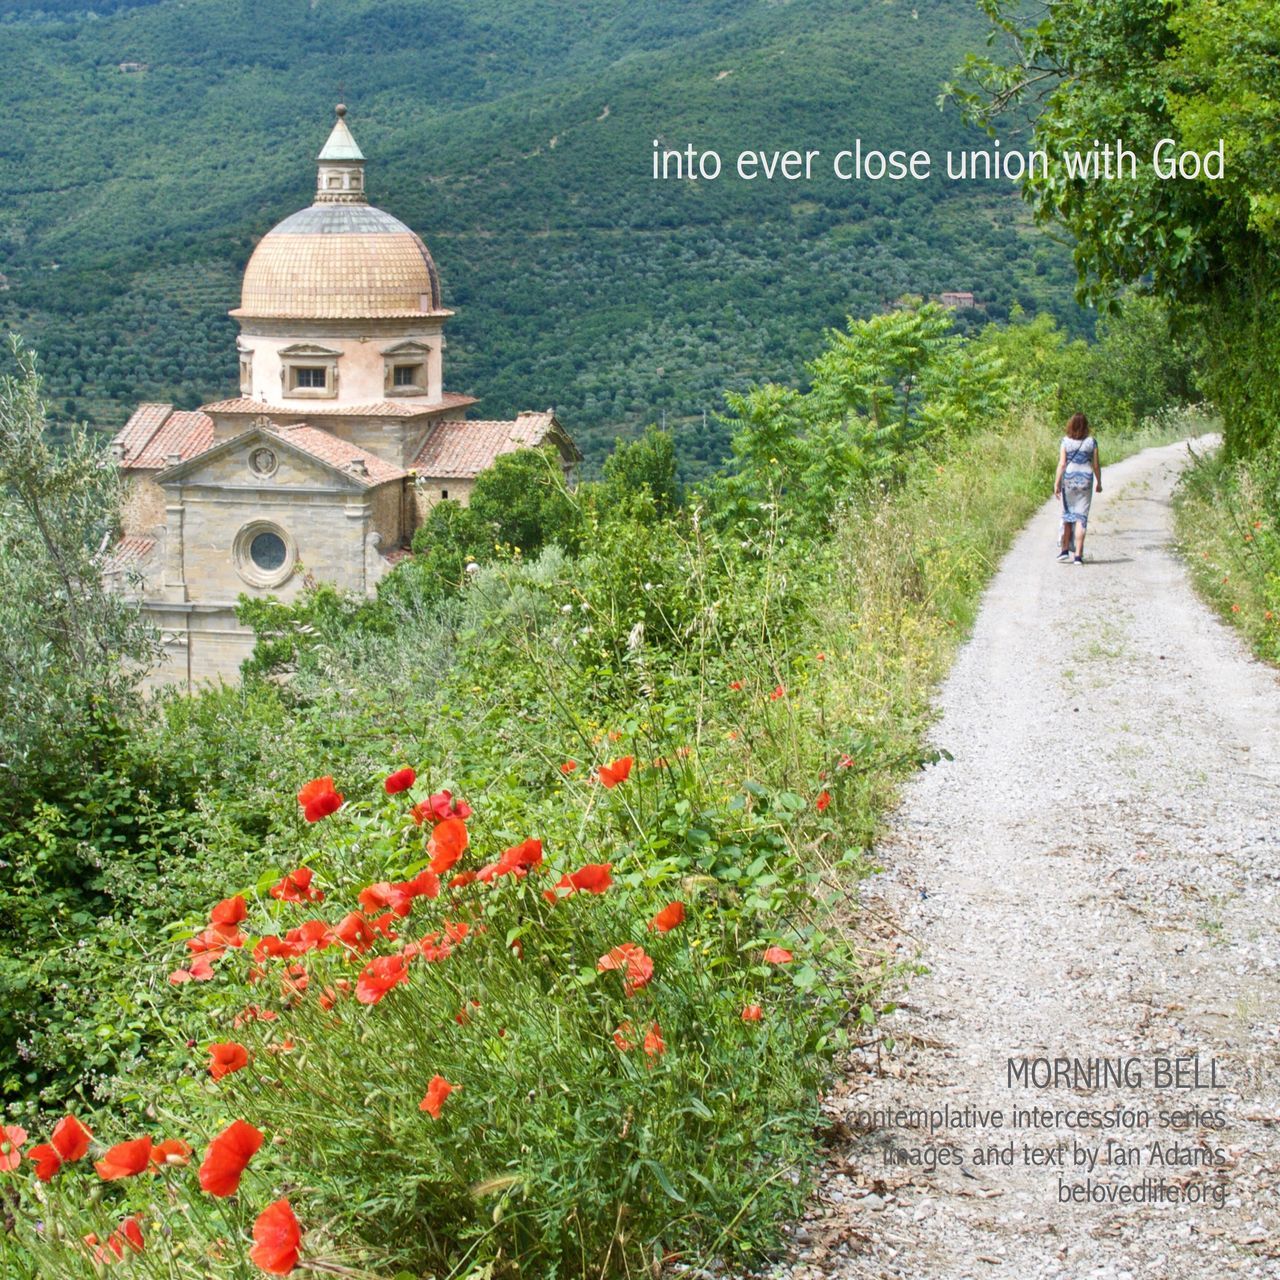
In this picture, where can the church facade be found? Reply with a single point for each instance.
(341, 439)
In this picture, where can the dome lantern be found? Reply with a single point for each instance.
(340, 178)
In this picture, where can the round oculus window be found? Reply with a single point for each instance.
(267, 551)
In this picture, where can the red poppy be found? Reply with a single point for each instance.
(595, 877)
(426, 884)
(441, 806)
(329, 996)
(636, 965)
(296, 887)
(354, 933)
(313, 935)
(822, 657)
(845, 761)
(127, 1235)
(619, 771)
(276, 1237)
(463, 1016)
(667, 919)
(230, 911)
(227, 1156)
(654, 1045)
(399, 781)
(125, 1160)
(752, 1013)
(777, 955)
(735, 685)
(824, 799)
(437, 1091)
(568, 767)
(379, 976)
(252, 1013)
(214, 941)
(447, 844)
(200, 971)
(319, 799)
(226, 1058)
(68, 1142)
(293, 982)
(779, 692)
(462, 879)
(172, 1151)
(622, 1037)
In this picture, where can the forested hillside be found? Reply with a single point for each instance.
(149, 147)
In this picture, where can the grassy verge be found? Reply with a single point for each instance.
(1227, 530)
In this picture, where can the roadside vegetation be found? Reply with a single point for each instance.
(516, 909)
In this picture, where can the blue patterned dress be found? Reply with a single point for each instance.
(1077, 480)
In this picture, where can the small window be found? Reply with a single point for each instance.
(267, 551)
(405, 375)
(310, 376)
(444, 493)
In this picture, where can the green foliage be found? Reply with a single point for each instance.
(1142, 71)
(1229, 533)
(523, 499)
(644, 466)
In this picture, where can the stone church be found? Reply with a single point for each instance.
(341, 439)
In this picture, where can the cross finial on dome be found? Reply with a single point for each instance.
(341, 176)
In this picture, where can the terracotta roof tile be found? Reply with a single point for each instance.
(408, 408)
(462, 449)
(340, 453)
(155, 432)
(131, 552)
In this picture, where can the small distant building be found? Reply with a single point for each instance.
(132, 68)
(958, 301)
(340, 441)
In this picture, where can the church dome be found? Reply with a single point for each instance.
(341, 258)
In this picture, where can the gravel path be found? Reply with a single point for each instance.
(1095, 874)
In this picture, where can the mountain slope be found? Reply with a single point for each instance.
(517, 138)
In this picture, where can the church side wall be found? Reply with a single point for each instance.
(142, 505)
(428, 491)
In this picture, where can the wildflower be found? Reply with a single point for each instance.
(822, 657)
(622, 1037)
(319, 799)
(127, 1234)
(779, 692)
(399, 781)
(437, 1091)
(845, 761)
(68, 1143)
(296, 887)
(442, 806)
(172, 1151)
(777, 955)
(824, 799)
(276, 1236)
(462, 879)
(752, 1013)
(293, 982)
(463, 1016)
(11, 1139)
(314, 935)
(124, 1160)
(226, 1058)
(1235, 608)
(568, 767)
(612, 774)
(354, 933)
(329, 996)
(227, 1157)
(595, 877)
(447, 844)
(654, 1045)
(379, 976)
(667, 919)
(230, 911)
(636, 965)
(516, 861)
(735, 685)
(200, 971)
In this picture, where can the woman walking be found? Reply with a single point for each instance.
(1079, 466)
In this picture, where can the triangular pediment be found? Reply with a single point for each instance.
(407, 348)
(261, 458)
(308, 349)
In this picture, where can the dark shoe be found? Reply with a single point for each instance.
(1079, 559)
(1064, 556)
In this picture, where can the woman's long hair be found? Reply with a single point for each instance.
(1077, 426)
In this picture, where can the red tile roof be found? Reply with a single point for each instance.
(131, 552)
(461, 449)
(155, 432)
(339, 453)
(407, 408)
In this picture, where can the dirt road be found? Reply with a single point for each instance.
(1095, 875)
